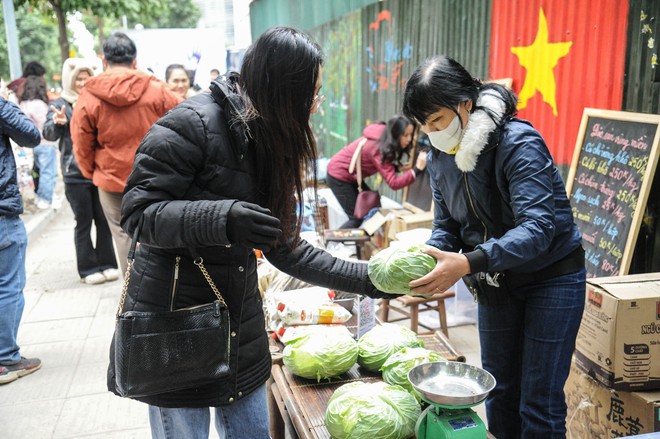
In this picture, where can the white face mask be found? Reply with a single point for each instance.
(447, 139)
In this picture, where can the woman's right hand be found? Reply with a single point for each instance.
(59, 116)
(421, 160)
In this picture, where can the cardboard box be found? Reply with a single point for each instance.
(403, 222)
(596, 412)
(619, 339)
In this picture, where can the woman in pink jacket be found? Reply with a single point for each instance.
(382, 153)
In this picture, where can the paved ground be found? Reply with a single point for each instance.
(69, 326)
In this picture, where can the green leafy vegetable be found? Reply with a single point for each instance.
(391, 269)
(396, 368)
(377, 345)
(320, 355)
(371, 410)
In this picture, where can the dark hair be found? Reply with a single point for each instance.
(119, 49)
(216, 71)
(440, 81)
(35, 88)
(277, 82)
(173, 67)
(389, 146)
(33, 68)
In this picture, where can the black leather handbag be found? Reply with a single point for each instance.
(160, 352)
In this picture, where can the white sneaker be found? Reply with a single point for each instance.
(93, 279)
(111, 274)
(42, 204)
(57, 203)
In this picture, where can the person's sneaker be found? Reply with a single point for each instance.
(93, 279)
(111, 274)
(57, 203)
(6, 376)
(24, 367)
(42, 204)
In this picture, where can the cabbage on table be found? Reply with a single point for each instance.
(377, 345)
(321, 354)
(371, 410)
(391, 269)
(396, 368)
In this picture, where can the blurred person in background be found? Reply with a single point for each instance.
(177, 78)
(214, 74)
(33, 68)
(34, 103)
(18, 127)
(113, 113)
(385, 147)
(96, 262)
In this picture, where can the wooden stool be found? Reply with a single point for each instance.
(410, 307)
(357, 237)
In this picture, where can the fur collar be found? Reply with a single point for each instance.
(478, 128)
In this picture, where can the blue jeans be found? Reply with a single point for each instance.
(46, 158)
(13, 242)
(527, 345)
(245, 418)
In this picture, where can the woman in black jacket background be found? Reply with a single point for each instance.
(218, 177)
(96, 263)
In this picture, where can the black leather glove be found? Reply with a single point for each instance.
(252, 226)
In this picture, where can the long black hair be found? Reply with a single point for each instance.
(278, 84)
(389, 145)
(35, 88)
(441, 81)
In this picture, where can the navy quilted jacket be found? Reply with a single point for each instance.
(536, 216)
(18, 127)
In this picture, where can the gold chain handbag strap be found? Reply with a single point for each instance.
(131, 258)
(200, 263)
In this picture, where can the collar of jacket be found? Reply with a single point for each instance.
(225, 93)
(478, 129)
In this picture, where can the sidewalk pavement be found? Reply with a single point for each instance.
(68, 325)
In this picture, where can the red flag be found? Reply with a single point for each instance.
(563, 57)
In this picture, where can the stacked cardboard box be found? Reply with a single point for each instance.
(617, 354)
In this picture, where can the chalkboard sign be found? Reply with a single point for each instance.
(608, 185)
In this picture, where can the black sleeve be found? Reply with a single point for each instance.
(166, 164)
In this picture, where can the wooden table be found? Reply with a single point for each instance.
(297, 405)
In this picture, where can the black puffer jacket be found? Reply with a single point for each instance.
(189, 170)
(70, 171)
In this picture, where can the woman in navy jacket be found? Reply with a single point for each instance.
(502, 216)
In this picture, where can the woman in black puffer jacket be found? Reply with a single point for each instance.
(217, 176)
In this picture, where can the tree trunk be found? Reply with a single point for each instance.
(61, 26)
(99, 25)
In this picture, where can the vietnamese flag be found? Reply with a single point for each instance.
(563, 56)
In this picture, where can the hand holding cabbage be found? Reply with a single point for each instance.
(391, 269)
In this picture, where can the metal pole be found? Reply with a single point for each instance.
(15, 69)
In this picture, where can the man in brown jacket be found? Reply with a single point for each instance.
(113, 113)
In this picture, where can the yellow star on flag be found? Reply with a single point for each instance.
(539, 60)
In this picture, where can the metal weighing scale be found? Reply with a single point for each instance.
(451, 388)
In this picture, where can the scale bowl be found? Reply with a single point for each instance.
(451, 383)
